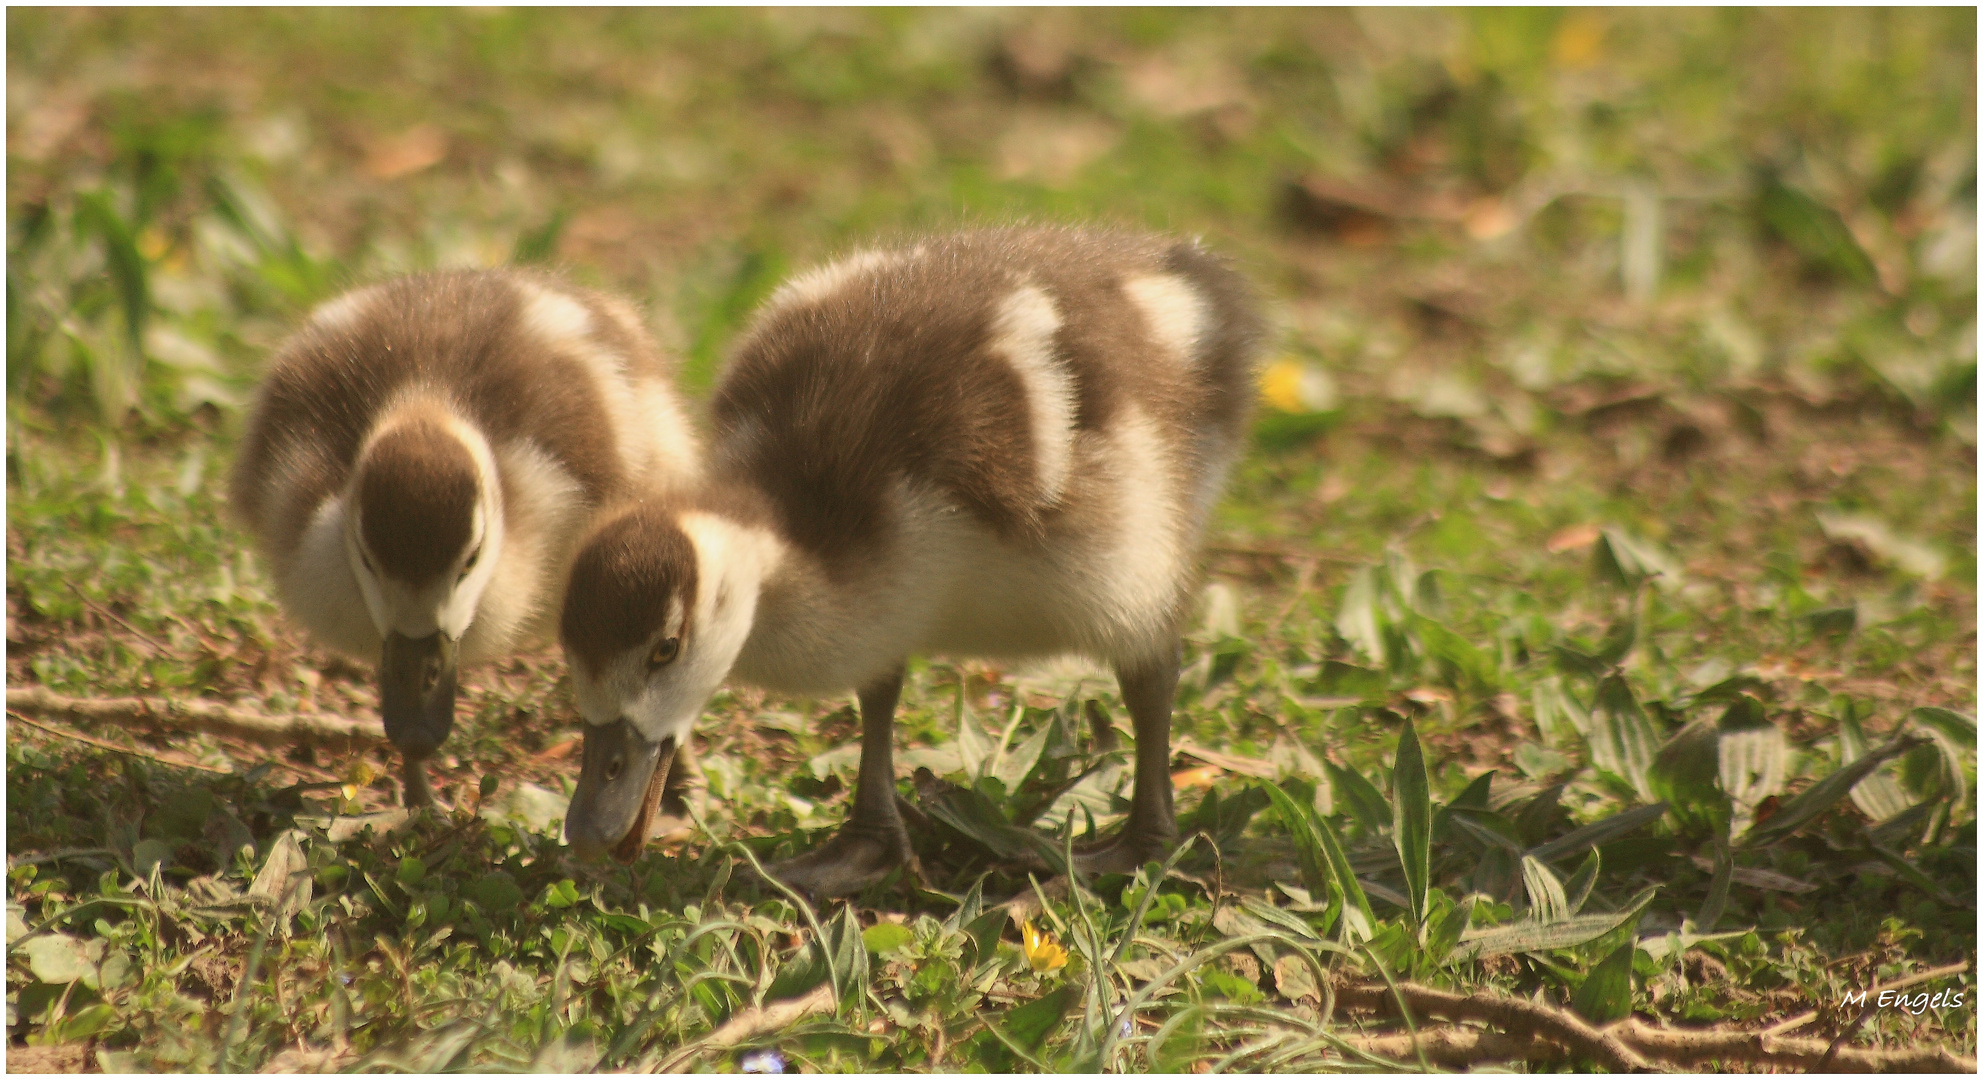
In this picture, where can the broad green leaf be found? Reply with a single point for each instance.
(1753, 756)
(1607, 993)
(1819, 797)
(1031, 1023)
(58, 958)
(1356, 620)
(1598, 832)
(1411, 824)
(1813, 230)
(1475, 795)
(884, 938)
(972, 905)
(974, 747)
(149, 853)
(1547, 902)
(1623, 740)
(1960, 728)
(1365, 803)
(1915, 875)
(1687, 774)
(496, 893)
(850, 955)
(1538, 814)
(1559, 719)
(984, 931)
(1015, 764)
(1486, 834)
(1627, 561)
(1496, 874)
(1577, 890)
(1297, 820)
(1447, 927)
(87, 1022)
(1458, 656)
(1528, 935)
(1878, 796)
(1272, 916)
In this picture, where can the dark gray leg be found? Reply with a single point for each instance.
(873, 841)
(415, 791)
(1147, 689)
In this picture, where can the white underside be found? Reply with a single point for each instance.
(1107, 586)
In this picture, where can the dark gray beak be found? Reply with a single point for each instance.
(619, 791)
(416, 692)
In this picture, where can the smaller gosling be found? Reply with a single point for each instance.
(422, 458)
(1000, 443)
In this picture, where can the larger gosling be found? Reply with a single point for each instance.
(424, 455)
(998, 443)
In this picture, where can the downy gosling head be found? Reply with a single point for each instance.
(423, 455)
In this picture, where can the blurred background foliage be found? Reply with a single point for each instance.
(1685, 196)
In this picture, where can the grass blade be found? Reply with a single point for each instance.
(1577, 890)
(1366, 803)
(1820, 796)
(1298, 820)
(1598, 832)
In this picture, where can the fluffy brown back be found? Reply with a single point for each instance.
(830, 400)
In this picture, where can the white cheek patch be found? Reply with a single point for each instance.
(1023, 329)
(821, 282)
(344, 312)
(1174, 311)
(555, 319)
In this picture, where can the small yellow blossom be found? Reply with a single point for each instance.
(1296, 387)
(1042, 951)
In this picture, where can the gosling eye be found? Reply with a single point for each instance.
(664, 653)
(467, 565)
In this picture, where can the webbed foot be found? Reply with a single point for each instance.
(1126, 853)
(853, 860)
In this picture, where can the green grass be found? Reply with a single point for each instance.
(1603, 494)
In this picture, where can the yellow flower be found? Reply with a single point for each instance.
(1042, 951)
(1294, 387)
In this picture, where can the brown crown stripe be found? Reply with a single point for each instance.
(417, 488)
(828, 403)
(458, 333)
(621, 584)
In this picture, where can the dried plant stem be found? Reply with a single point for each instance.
(1540, 1034)
(193, 714)
(1517, 1016)
(175, 760)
